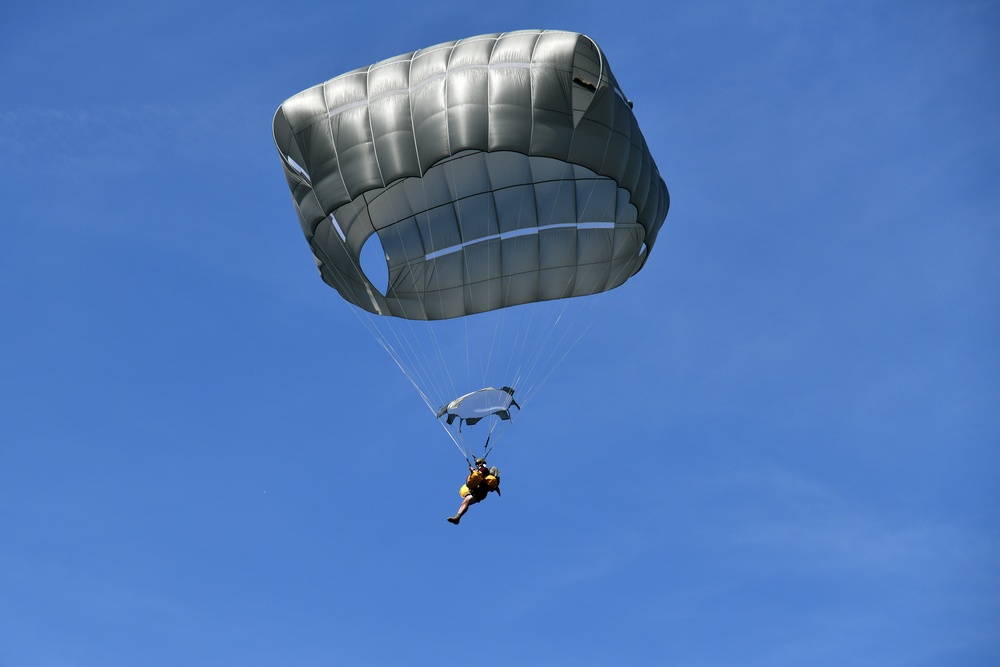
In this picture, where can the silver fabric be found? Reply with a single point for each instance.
(497, 170)
(477, 405)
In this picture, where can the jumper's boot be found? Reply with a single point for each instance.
(454, 519)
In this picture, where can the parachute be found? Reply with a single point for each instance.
(460, 197)
(474, 406)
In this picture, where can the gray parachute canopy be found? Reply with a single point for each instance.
(493, 171)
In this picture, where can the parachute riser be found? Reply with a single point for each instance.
(487, 448)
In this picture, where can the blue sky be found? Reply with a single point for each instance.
(778, 446)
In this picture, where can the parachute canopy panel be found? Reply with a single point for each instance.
(497, 170)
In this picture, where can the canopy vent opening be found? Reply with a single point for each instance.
(374, 264)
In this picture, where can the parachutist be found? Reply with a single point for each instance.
(480, 482)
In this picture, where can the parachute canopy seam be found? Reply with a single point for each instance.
(347, 106)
